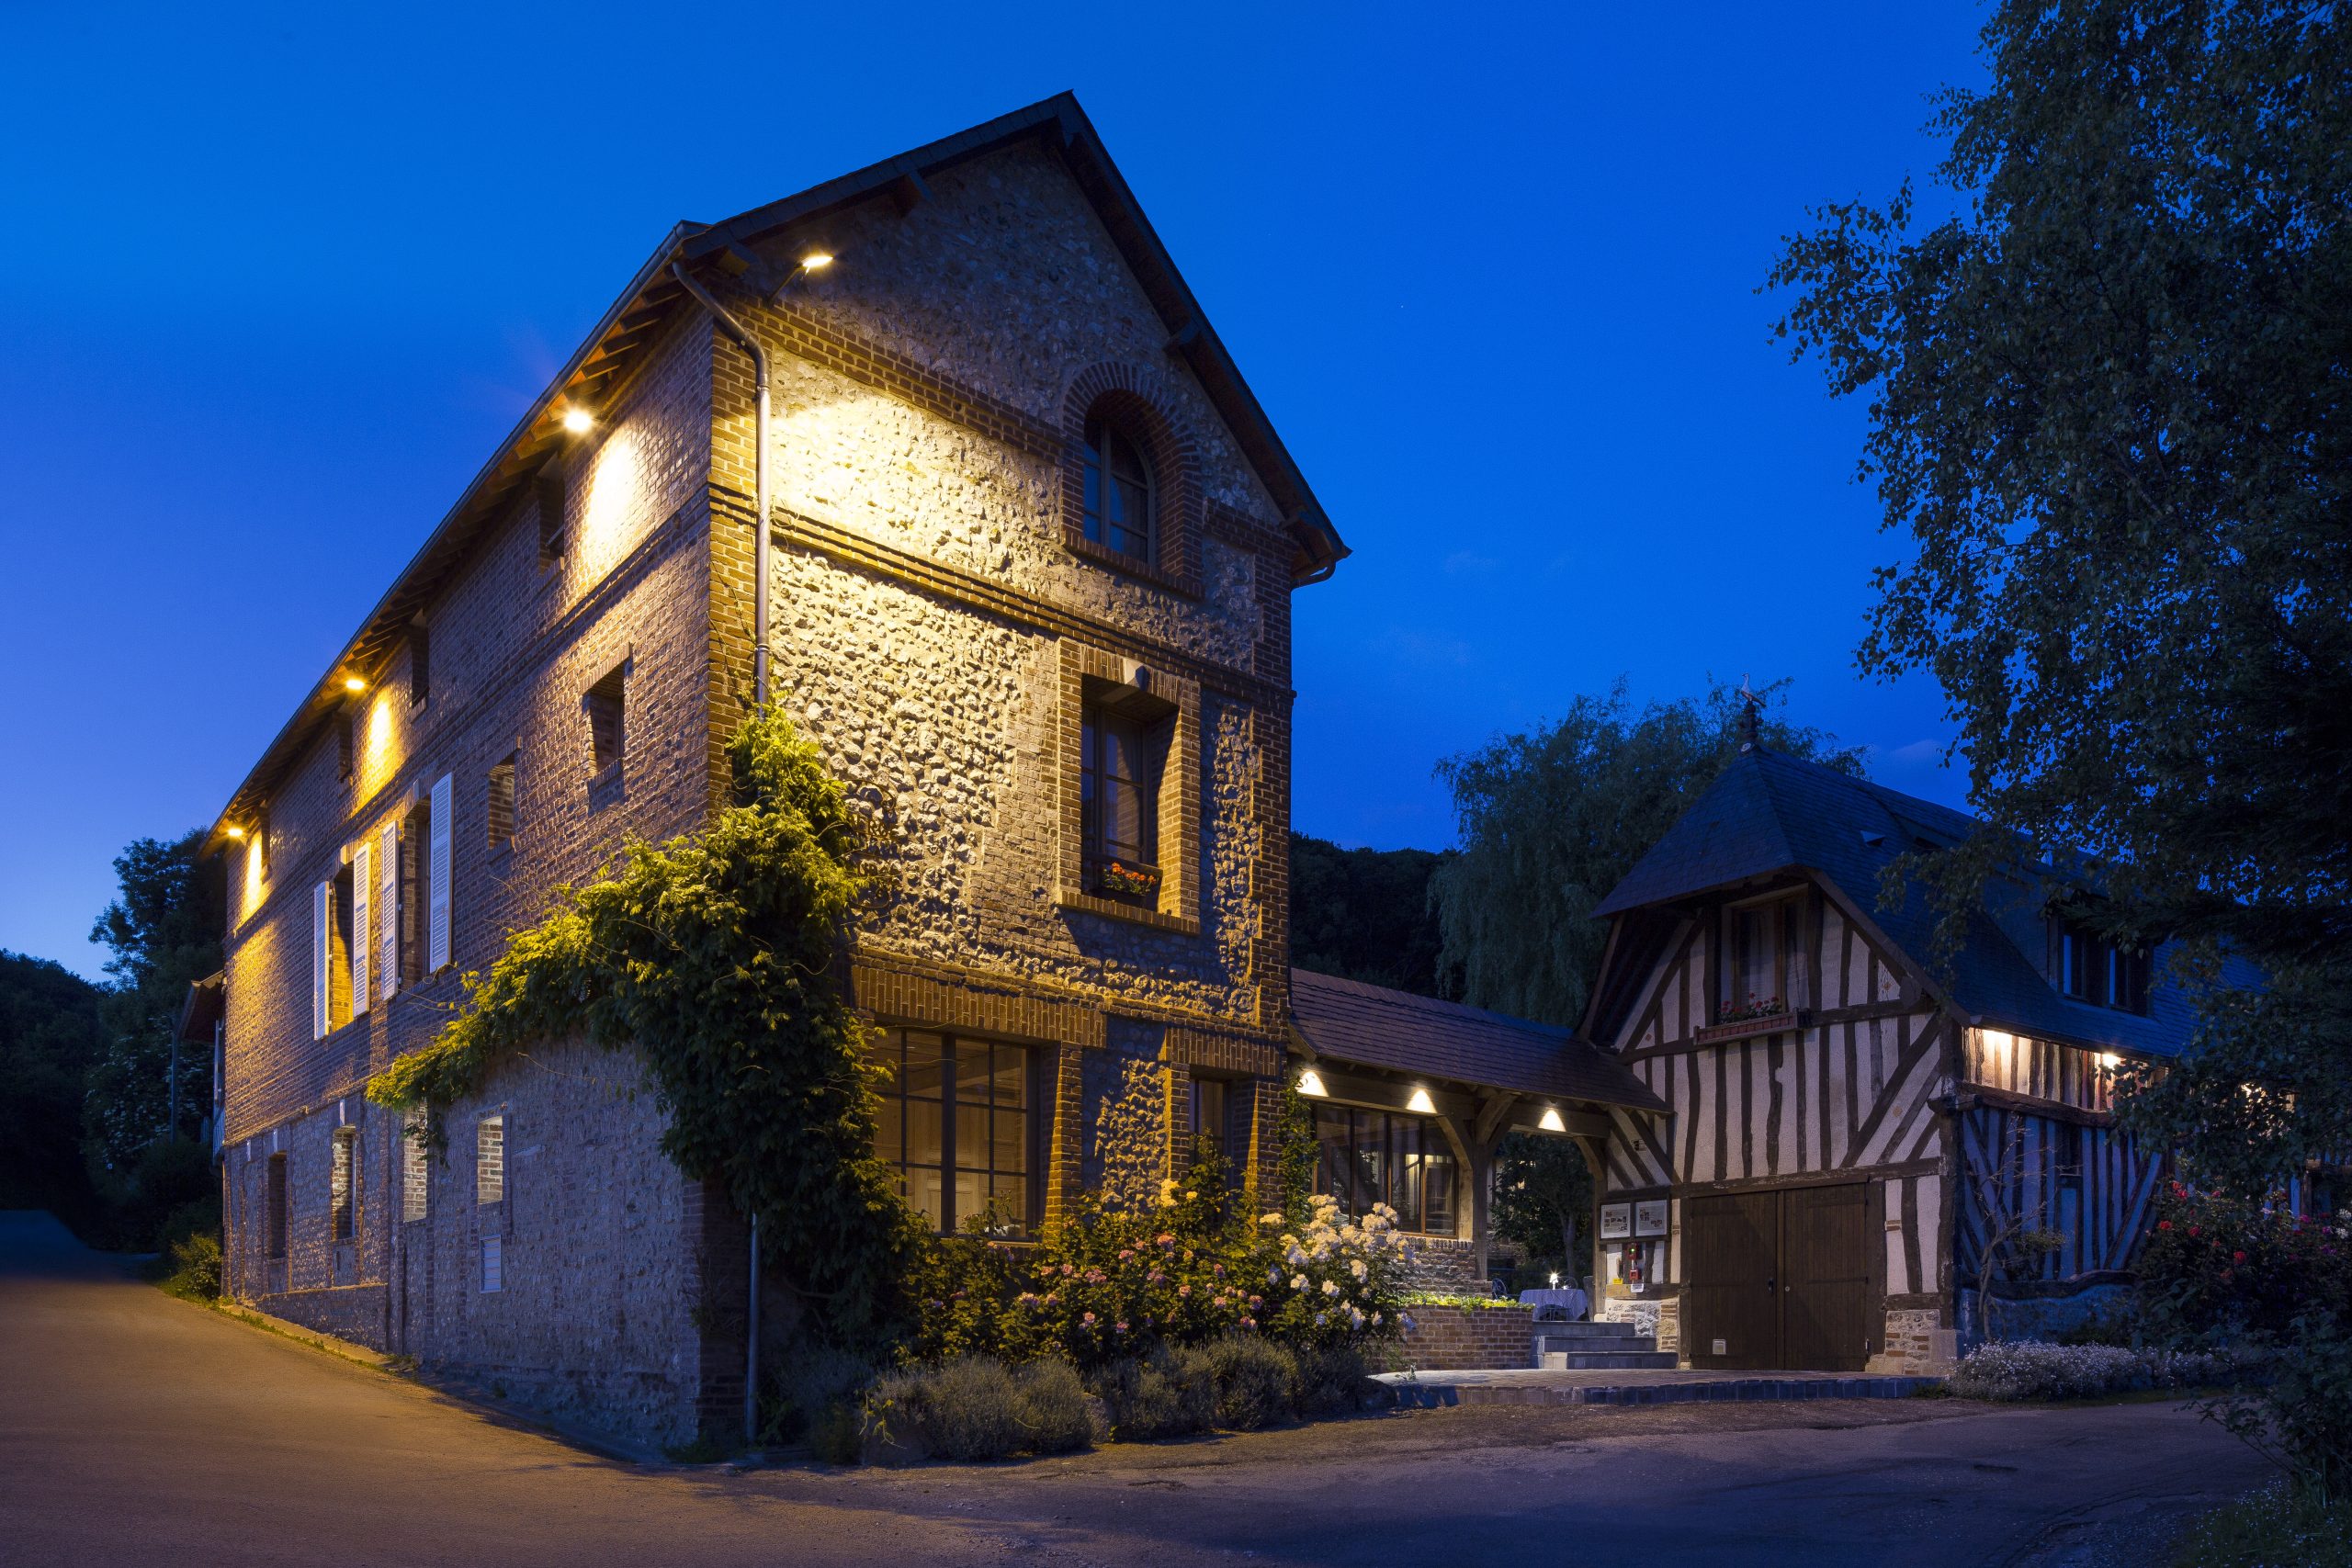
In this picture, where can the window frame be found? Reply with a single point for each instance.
(1429, 1135)
(1105, 438)
(1786, 911)
(610, 692)
(1036, 1083)
(342, 1184)
(1149, 738)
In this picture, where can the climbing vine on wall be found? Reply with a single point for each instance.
(713, 956)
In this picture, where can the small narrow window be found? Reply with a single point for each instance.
(415, 1174)
(416, 837)
(346, 726)
(1755, 971)
(502, 803)
(1122, 498)
(341, 1176)
(490, 1160)
(339, 940)
(274, 1207)
(607, 727)
(1208, 1117)
(420, 663)
(494, 1264)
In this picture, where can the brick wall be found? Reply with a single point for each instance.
(1462, 1339)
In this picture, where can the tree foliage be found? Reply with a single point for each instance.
(2108, 413)
(164, 929)
(48, 1037)
(1365, 914)
(1543, 1201)
(1553, 820)
(713, 956)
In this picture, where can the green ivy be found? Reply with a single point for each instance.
(714, 957)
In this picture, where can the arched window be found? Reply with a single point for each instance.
(1121, 502)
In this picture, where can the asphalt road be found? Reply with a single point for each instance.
(138, 1429)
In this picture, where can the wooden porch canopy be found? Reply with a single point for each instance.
(1491, 1072)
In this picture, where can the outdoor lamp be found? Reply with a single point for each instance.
(577, 420)
(1419, 1100)
(1311, 1082)
(354, 683)
(1550, 1120)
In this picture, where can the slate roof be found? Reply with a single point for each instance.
(1372, 1026)
(1771, 814)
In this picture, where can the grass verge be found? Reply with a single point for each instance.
(2279, 1527)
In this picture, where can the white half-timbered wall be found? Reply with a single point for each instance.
(1853, 1092)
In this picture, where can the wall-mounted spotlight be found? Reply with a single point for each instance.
(1550, 1120)
(578, 420)
(816, 261)
(354, 683)
(1310, 1082)
(236, 833)
(1419, 1100)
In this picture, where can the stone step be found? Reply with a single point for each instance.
(1561, 1329)
(1606, 1360)
(1596, 1345)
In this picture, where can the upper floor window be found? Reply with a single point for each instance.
(1758, 969)
(2090, 968)
(420, 662)
(1121, 756)
(1122, 498)
(608, 707)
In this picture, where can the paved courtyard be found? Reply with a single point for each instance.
(135, 1428)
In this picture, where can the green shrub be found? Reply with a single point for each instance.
(1256, 1381)
(194, 1268)
(975, 1407)
(811, 1385)
(1170, 1393)
(1333, 1380)
(2277, 1524)
(1056, 1413)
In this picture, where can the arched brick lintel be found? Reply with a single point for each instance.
(1127, 396)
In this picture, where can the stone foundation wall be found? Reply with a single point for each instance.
(357, 1313)
(1461, 1339)
(1444, 1264)
(1660, 1318)
(1917, 1345)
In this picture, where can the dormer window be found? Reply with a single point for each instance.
(1758, 977)
(1122, 499)
(2089, 968)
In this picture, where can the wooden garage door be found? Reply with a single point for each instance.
(1778, 1279)
(1730, 1264)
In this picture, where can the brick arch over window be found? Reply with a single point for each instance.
(1126, 396)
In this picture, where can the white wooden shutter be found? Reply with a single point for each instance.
(322, 912)
(362, 890)
(387, 908)
(436, 943)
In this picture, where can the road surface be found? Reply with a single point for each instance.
(138, 1430)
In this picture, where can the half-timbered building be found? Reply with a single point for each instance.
(1861, 1131)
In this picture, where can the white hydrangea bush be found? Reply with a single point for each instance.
(1334, 1280)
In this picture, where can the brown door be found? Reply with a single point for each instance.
(1778, 1279)
(1730, 1293)
(1826, 1277)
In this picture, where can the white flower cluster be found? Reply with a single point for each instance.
(2034, 1369)
(1341, 1264)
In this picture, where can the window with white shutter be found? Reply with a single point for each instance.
(321, 934)
(436, 944)
(387, 908)
(493, 1263)
(363, 891)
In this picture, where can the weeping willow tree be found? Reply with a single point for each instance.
(1551, 820)
(713, 956)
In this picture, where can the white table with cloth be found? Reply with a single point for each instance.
(1569, 1301)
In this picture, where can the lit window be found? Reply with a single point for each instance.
(1121, 498)
(1364, 1158)
(953, 1124)
(1121, 757)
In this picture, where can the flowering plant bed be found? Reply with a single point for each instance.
(1767, 1017)
(1126, 881)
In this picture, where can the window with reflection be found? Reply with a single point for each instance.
(1364, 1158)
(954, 1125)
(1122, 755)
(1120, 497)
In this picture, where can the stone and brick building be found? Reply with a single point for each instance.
(1033, 548)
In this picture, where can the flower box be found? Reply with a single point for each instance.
(1121, 880)
(1746, 1028)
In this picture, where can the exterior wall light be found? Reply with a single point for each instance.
(1310, 1082)
(2109, 1060)
(578, 420)
(816, 261)
(1550, 1120)
(236, 833)
(1419, 1100)
(354, 683)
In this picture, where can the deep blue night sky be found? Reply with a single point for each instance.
(270, 292)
